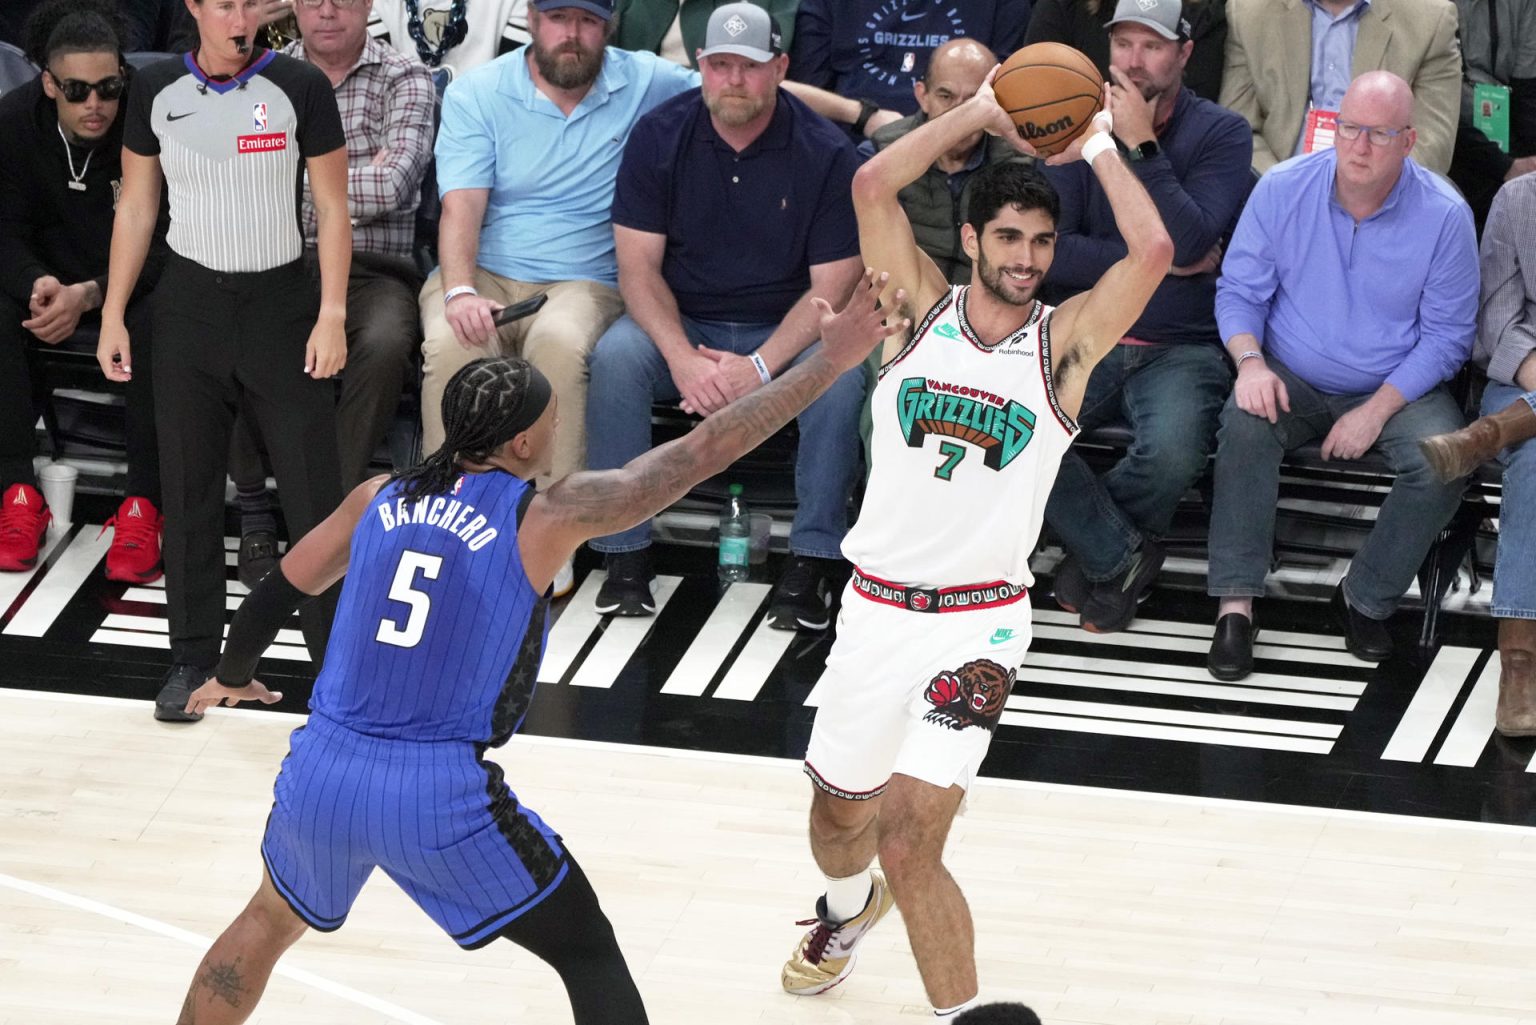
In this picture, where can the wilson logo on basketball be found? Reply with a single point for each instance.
(261, 143)
(1030, 130)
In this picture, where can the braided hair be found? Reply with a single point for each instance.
(487, 403)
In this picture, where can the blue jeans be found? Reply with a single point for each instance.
(1248, 453)
(628, 374)
(1514, 567)
(1171, 397)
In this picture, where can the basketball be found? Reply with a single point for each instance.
(1052, 92)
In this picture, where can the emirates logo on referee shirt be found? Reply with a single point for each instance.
(261, 143)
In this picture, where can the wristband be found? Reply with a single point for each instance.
(453, 293)
(1250, 354)
(1100, 143)
(762, 368)
(867, 110)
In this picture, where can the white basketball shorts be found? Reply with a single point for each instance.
(915, 692)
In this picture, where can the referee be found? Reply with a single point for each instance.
(231, 129)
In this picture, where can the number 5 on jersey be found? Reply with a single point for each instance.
(403, 591)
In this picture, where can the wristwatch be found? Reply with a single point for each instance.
(1145, 151)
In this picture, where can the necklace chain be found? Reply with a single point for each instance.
(76, 181)
(453, 33)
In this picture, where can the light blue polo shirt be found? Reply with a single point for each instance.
(551, 176)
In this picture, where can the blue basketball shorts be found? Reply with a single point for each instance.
(436, 817)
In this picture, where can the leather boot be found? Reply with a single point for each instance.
(1460, 452)
(1516, 716)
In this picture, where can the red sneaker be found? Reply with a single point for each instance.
(134, 557)
(24, 520)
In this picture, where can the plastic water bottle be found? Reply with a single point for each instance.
(735, 537)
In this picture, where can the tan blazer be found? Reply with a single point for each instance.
(1269, 70)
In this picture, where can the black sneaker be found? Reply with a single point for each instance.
(1113, 603)
(180, 682)
(627, 591)
(258, 556)
(1071, 587)
(800, 601)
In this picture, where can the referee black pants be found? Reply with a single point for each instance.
(223, 340)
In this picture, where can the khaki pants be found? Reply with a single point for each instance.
(557, 340)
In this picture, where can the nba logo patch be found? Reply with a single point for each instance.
(259, 116)
(908, 62)
(458, 484)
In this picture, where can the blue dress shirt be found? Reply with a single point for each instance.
(1351, 306)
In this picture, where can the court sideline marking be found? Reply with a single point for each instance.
(982, 782)
(299, 975)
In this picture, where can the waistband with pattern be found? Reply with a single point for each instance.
(962, 598)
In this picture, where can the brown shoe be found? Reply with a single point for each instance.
(1516, 716)
(1457, 454)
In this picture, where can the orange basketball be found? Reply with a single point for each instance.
(1052, 92)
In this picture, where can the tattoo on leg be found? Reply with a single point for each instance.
(224, 981)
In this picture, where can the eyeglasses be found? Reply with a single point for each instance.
(76, 91)
(340, 5)
(1349, 132)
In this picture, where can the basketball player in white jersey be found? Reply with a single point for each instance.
(971, 417)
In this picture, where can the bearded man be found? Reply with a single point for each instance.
(526, 158)
(733, 208)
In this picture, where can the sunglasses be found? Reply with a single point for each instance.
(76, 91)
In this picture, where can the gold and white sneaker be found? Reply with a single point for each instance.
(826, 955)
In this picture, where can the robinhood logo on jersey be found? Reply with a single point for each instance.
(1000, 427)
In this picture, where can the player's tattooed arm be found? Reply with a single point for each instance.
(592, 504)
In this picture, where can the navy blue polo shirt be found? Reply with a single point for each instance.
(743, 229)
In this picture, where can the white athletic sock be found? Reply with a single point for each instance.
(847, 897)
(950, 1012)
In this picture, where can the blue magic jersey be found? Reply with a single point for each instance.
(439, 633)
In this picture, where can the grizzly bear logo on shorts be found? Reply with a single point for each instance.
(972, 695)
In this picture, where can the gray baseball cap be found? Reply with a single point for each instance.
(745, 30)
(1165, 17)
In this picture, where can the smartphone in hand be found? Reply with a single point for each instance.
(517, 311)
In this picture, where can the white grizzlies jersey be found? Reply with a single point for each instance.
(967, 439)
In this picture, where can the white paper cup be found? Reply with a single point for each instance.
(57, 483)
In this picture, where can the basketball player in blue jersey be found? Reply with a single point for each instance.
(971, 417)
(432, 660)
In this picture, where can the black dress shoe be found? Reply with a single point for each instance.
(1231, 656)
(1367, 639)
(257, 557)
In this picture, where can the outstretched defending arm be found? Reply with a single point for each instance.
(1089, 325)
(591, 504)
(318, 560)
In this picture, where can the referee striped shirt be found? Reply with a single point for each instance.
(233, 152)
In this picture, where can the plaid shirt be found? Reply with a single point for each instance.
(387, 105)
